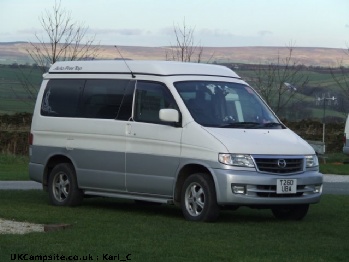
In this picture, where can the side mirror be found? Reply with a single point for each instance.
(169, 115)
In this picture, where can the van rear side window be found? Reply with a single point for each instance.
(92, 98)
(61, 97)
(102, 98)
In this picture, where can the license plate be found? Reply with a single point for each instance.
(286, 186)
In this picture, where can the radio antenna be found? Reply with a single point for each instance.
(123, 59)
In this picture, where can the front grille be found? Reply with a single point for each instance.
(279, 165)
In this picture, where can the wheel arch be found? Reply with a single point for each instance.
(184, 173)
(51, 163)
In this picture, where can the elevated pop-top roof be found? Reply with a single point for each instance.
(161, 68)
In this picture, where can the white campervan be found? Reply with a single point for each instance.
(195, 135)
(346, 137)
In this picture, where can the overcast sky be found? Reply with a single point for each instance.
(304, 23)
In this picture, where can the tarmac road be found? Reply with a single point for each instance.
(19, 185)
(333, 184)
(336, 185)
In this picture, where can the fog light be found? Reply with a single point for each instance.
(317, 188)
(238, 189)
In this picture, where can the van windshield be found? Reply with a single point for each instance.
(226, 105)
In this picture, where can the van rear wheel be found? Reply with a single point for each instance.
(198, 198)
(63, 188)
(290, 212)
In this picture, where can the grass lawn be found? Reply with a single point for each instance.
(335, 164)
(13, 167)
(335, 168)
(160, 233)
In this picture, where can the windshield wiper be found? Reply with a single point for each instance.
(254, 125)
(242, 125)
(273, 124)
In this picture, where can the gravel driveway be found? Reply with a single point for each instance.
(13, 227)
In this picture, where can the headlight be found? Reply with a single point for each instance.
(236, 160)
(311, 161)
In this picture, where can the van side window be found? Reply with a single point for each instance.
(92, 98)
(102, 98)
(61, 97)
(150, 98)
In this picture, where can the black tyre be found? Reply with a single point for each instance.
(198, 199)
(62, 186)
(290, 212)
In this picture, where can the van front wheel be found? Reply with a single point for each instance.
(198, 199)
(62, 186)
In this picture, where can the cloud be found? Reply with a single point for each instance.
(31, 31)
(214, 32)
(347, 25)
(122, 31)
(129, 31)
(20, 35)
(202, 32)
(263, 33)
(96, 31)
(166, 31)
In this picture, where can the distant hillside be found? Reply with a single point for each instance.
(310, 56)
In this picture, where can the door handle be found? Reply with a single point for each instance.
(128, 129)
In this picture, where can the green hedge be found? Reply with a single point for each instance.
(14, 132)
(313, 130)
(14, 142)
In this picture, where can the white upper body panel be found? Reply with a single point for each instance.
(160, 68)
(261, 141)
(197, 141)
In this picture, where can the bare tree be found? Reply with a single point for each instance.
(185, 49)
(65, 39)
(26, 78)
(280, 81)
(341, 76)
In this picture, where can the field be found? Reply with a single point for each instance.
(304, 104)
(309, 56)
(14, 96)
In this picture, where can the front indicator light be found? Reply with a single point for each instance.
(238, 189)
(318, 189)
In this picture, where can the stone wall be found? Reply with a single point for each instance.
(14, 133)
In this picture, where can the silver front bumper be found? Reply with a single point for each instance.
(260, 188)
